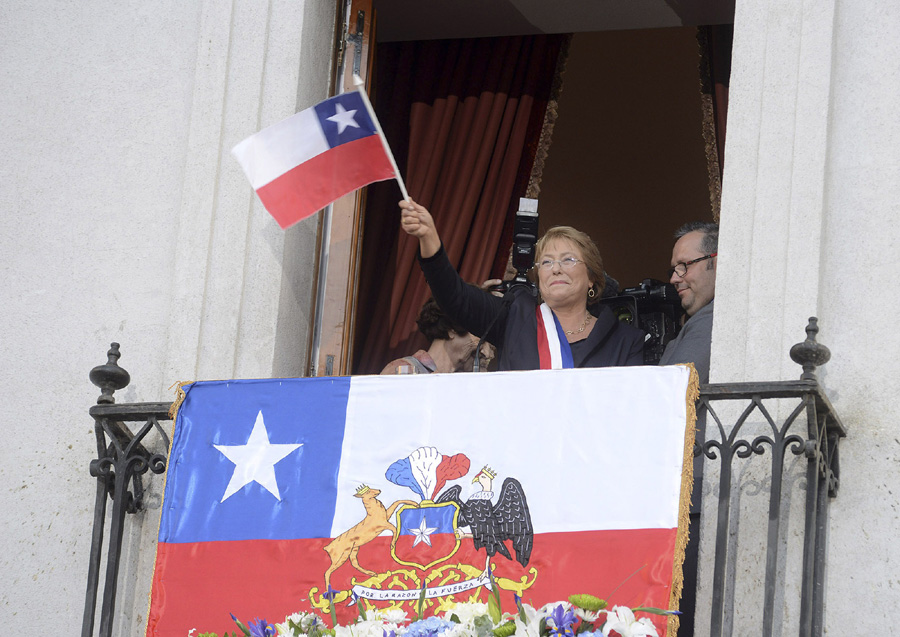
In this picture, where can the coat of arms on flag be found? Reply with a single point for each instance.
(394, 491)
(432, 525)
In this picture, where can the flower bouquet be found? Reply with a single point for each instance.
(581, 615)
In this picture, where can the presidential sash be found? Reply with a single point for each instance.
(553, 347)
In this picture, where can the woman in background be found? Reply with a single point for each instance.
(452, 348)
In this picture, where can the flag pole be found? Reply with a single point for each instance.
(358, 82)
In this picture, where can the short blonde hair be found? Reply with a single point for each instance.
(589, 253)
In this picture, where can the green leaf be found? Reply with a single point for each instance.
(484, 627)
(651, 609)
(521, 608)
(331, 610)
(421, 605)
(494, 609)
(542, 627)
(241, 626)
(455, 618)
(360, 602)
(506, 630)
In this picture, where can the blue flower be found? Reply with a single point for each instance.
(262, 628)
(428, 627)
(562, 621)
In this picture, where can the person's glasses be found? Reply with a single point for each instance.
(566, 263)
(681, 268)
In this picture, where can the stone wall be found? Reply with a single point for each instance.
(810, 198)
(126, 219)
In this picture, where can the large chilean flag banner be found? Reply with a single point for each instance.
(543, 484)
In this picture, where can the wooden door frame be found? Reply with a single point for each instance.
(340, 230)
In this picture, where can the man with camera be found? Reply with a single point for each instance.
(693, 273)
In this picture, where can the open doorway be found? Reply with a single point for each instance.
(628, 162)
(631, 157)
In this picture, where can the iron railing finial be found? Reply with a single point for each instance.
(809, 353)
(110, 377)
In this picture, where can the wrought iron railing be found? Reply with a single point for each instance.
(123, 460)
(814, 437)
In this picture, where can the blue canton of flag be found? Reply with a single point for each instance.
(344, 118)
(219, 416)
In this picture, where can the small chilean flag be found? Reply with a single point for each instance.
(303, 163)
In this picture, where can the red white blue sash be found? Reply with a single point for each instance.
(553, 348)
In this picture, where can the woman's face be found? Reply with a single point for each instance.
(461, 350)
(561, 286)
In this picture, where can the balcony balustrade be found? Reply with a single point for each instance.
(811, 430)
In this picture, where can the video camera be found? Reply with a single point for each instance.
(525, 234)
(654, 307)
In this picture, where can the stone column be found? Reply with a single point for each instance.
(243, 285)
(809, 208)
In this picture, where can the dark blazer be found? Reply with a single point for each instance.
(609, 344)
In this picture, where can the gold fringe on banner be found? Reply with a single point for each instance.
(684, 505)
(180, 395)
(179, 398)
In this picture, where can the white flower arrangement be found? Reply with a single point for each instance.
(581, 616)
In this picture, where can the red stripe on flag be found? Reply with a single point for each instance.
(543, 344)
(199, 585)
(309, 187)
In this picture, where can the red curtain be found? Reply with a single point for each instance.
(463, 118)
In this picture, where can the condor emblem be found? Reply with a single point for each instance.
(427, 533)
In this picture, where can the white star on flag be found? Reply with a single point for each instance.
(422, 533)
(255, 461)
(343, 118)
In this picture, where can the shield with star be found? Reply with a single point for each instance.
(425, 535)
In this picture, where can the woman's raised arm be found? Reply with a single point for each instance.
(416, 221)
